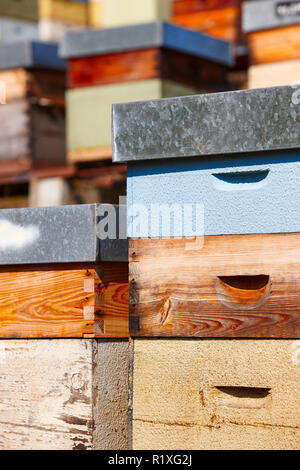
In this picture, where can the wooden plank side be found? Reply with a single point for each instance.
(46, 394)
(220, 23)
(65, 303)
(274, 45)
(69, 11)
(111, 301)
(114, 68)
(232, 286)
(15, 130)
(183, 7)
(46, 303)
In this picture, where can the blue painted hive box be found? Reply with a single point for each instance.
(236, 154)
(226, 166)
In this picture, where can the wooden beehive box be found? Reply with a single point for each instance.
(273, 31)
(213, 213)
(63, 329)
(64, 394)
(59, 277)
(219, 18)
(112, 13)
(32, 113)
(152, 60)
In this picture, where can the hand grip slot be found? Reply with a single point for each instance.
(240, 180)
(243, 292)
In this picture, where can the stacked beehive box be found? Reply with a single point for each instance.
(274, 42)
(151, 60)
(63, 329)
(213, 218)
(32, 112)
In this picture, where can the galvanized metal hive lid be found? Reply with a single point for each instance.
(65, 234)
(142, 36)
(30, 54)
(209, 124)
(268, 14)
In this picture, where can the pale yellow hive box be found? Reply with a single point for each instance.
(216, 394)
(89, 113)
(110, 13)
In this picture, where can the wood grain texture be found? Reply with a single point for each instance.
(232, 286)
(274, 45)
(62, 302)
(153, 63)
(221, 23)
(63, 394)
(40, 84)
(114, 68)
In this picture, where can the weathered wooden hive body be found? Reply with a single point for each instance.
(152, 60)
(213, 226)
(63, 328)
(274, 42)
(32, 112)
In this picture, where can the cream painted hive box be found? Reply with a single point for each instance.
(110, 13)
(216, 394)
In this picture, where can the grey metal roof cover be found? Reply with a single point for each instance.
(30, 54)
(267, 14)
(141, 36)
(12, 30)
(64, 234)
(208, 124)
